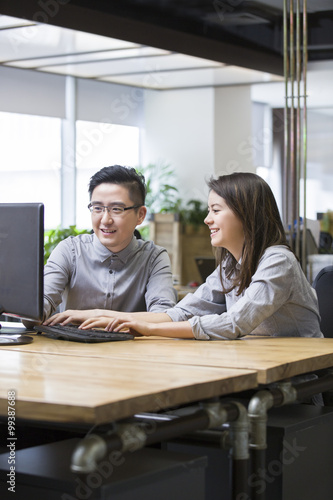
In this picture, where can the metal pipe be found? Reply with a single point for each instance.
(292, 121)
(295, 133)
(283, 394)
(89, 451)
(257, 411)
(218, 439)
(239, 436)
(305, 65)
(312, 387)
(234, 437)
(135, 435)
(286, 119)
(298, 130)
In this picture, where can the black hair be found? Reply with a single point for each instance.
(127, 176)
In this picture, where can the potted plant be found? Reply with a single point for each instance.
(53, 236)
(192, 216)
(162, 199)
(162, 193)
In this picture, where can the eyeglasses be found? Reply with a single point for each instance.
(114, 211)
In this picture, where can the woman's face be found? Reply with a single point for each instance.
(226, 230)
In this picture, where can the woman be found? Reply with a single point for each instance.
(258, 287)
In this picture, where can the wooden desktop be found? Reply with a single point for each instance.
(71, 381)
(60, 382)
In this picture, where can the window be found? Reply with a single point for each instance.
(30, 159)
(100, 145)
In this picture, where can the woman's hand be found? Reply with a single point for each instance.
(103, 321)
(135, 327)
(125, 323)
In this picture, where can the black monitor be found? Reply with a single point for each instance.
(21, 262)
(206, 266)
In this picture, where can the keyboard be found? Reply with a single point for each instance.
(73, 333)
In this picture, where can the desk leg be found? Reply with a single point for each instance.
(283, 394)
(239, 439)
(258, 407)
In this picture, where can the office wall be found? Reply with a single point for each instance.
(179, 130)
(233, 139)
(200, 132)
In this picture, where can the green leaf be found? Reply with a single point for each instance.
(53, 236)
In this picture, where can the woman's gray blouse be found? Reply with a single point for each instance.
(279, 302)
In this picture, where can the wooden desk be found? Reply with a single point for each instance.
(273, 358)
(91, 385)
(69, 382)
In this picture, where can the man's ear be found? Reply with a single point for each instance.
(142, 212)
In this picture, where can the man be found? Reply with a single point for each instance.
(110, 269)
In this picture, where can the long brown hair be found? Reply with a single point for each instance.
(252, 201)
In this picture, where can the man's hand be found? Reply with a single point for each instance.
(73, 316)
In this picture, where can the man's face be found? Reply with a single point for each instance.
(115, 231)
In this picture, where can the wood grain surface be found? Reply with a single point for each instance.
(95, 389)
(274, 358)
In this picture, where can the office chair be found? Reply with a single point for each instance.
(323, 284)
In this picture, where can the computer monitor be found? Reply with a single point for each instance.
(206, 266)
(21, 261)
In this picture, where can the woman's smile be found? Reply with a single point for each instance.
(226, 229)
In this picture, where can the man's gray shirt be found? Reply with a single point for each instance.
(81, 273)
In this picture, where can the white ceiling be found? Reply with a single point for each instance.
(51, 49)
